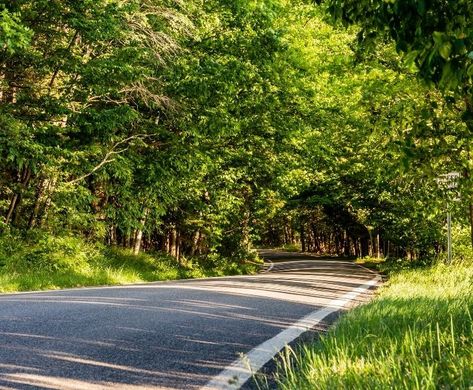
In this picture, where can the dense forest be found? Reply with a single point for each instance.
(210, 128)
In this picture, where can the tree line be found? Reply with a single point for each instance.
(210, 127)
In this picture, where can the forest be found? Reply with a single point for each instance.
(204, 129)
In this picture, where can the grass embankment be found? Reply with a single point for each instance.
(416, 334)
(44, 262)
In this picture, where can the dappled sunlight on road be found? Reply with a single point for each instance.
(66, 383)
(163, 335)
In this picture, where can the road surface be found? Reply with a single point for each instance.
(172, 335)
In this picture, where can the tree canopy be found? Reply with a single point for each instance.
(204, 129)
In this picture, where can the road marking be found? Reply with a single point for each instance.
(271, 265)
(236, 374)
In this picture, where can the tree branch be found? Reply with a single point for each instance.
(108, 156)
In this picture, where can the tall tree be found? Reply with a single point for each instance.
(436, 38)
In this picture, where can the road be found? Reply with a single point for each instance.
(172, 335)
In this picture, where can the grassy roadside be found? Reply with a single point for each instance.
(416, 334)
(48, 262)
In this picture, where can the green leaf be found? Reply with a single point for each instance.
(445, 49)
(469, 71)
(449, 79)
(421, 7)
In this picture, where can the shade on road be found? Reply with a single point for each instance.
(176, 335)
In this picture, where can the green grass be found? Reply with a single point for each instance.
(291, 247)
(416, 334)
(44, 262)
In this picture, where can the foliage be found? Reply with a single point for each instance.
(41, 261)
(462, 250)
(203, 129)
(367, 165)
(13, 35)
(436, 40)
(436, 35)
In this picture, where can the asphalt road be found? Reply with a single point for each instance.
(171, 335)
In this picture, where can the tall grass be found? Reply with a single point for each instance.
(42, 262)
(416, 334)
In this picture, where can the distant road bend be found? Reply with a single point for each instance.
(171, 335)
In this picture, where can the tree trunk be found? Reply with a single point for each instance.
(370, 244)
(365, 246)
(377, 246)
(37, 204)
(286, 234)
(337, 244)
(346, 244)
(303, 242)
(23, 181)
(127, 240)
(172, 242)
(166, 243)
(11, 209)
(47, 204)
(139, 232)
(357, 248)
(178, 246)
(56, 71)
(245, 231)
(195, 243)
(112, 235)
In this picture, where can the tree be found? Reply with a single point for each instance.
(436, 38)
(363, 161)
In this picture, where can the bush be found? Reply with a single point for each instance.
(461, 242)
(38, 260)
(292, 247)
(54, 254)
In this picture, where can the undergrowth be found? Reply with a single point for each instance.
(40, 261)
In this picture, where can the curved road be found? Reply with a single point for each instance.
(171, 335)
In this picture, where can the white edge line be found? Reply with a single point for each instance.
(237, 373)
(271, 265)
(366, 268)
